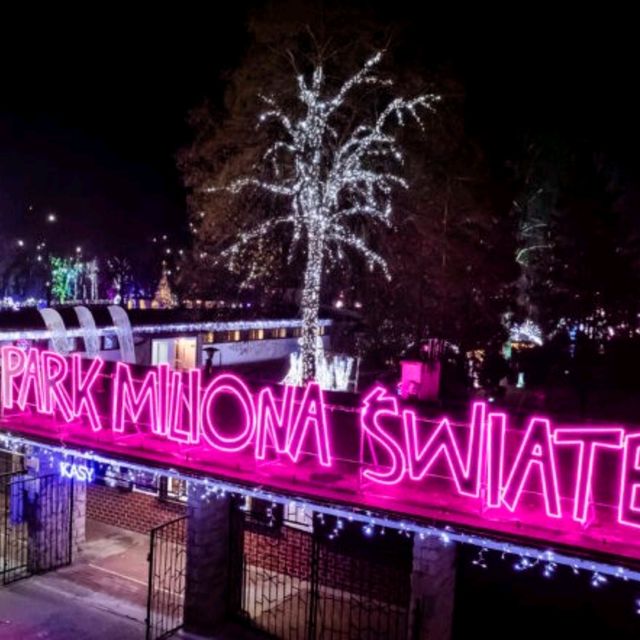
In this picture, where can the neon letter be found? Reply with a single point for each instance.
(629, 504)
(588, 440)
(126, 402)
(272, 424)
(56, 371)
(465, 472)
(32, 378)
(310, 415)
(181, 402)
(496, 431)
(234, 387)
(164, 398)
(14, 361)
(536, 451)
(82, 389)
(377, 404)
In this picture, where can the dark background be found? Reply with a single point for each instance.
(93, 103)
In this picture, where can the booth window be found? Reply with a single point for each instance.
(297, 517)
(114, 477)
(264, 516)
(173, 489)
(146, 483)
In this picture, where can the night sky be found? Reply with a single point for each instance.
(93, 105)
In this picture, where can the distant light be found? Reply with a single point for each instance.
(51, 217)
(21, 243)
(78, 249)
(528, 331)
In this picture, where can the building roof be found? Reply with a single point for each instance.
(29, 324)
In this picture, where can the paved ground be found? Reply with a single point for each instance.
(37, 609)
(101, 597)
(48, 608)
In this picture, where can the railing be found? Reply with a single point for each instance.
(167, 579)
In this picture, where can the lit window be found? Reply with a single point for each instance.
(173, 489)
(297, 517)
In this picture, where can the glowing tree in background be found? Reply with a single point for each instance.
(164, 297)
(64, 278)
(334, 173)
(72, 279)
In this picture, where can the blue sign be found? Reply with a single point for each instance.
(73, 471)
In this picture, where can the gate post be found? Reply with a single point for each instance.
(433, 580)
(57, 518)
(207, 594)
(78, 518)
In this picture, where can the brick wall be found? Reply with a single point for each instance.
(129, 509)
(288, 551)
(284, 551)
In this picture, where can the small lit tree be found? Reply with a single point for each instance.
(164, 296)
(64, 276)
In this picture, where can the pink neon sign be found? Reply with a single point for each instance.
(576, 485)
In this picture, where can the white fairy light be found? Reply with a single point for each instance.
(151, 329)
(332, 373)
(329, 180)
(597, 579)
(527, 331)
(372, 523)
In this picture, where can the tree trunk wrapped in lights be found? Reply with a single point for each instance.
(332, 173)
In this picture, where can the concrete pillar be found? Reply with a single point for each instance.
(207, 598)
(432, 589)
(53, 530)
(79, 519)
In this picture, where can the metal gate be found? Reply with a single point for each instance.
(301, 582)
(36, 525)
(167, 579)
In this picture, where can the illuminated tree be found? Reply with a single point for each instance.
(334, 172)
(121, 274)
(164, 296)
(64, 276)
